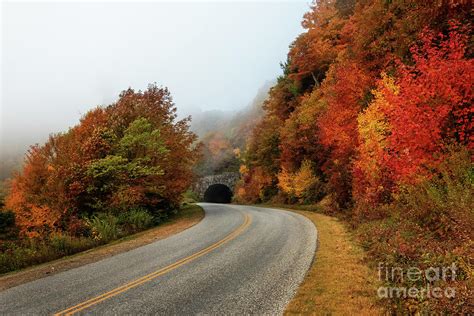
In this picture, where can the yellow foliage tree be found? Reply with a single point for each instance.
(304, 180)
(369, 182)
(297, 184)
(285, 181)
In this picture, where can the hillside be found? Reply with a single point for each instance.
(223, 135)
(372, 121)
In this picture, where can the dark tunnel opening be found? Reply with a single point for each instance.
(218, 193)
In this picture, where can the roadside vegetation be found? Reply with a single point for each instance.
(373, 116)
(188, 215)
(121, 170)
(339, 281)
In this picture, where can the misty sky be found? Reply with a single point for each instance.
(61, 59)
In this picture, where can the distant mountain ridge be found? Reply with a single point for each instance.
(223, 134)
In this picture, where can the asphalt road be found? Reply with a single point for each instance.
(237, 260)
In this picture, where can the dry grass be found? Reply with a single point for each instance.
(189, 216)
(338, 282)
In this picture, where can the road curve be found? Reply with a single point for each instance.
(237, 260)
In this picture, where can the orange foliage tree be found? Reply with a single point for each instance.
(324, 110)
(133, 153)
(345, 89)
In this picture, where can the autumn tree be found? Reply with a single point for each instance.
(372, 180)
(260, 162)
(302, 184)
(254, 185)
(133, 153)
(217, 155)
(300, 135)
(315, 50)
(430, 109)
(282, 100)
(345, 91)
(374, 109)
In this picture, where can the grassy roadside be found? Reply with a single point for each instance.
(338, 282)
(187, 217)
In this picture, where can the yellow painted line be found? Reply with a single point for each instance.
(95, 300)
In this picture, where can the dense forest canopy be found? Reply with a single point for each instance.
(370, 87)
(373, 119)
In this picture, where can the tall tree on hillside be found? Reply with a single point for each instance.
(345, 90)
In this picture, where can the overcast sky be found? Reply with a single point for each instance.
(61, 59)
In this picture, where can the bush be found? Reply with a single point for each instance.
(443, 204)
(66, 245)
(8, 229)
(104, 227)
(190, 197)
(136, 219)
(78, 227)
(302, 186)
(18, 255)
(7, 220)
(16, 258)
(429, 224)
(314, 193)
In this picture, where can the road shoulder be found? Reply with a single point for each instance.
(338, 282)
(189, 217)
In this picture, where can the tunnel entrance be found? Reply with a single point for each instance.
(218, 193)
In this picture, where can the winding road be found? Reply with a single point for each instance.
(237, 260)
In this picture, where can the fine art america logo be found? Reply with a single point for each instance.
(414, 275)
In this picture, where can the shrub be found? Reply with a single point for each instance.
(67, 245)
(8, 229)
(301, 186)
(18, 255)
(103, 227)
(443, 204)
(78, 227)
(15, 258)
(190, 197)
(136, 219)
(429, 224)
(60, 243)
(255, 186)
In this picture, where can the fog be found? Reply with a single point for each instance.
(61, 59)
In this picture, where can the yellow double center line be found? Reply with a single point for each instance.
(86, 304)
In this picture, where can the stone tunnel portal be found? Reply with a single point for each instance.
(218, 193)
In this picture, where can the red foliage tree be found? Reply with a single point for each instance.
(345, 89)
(434, 104)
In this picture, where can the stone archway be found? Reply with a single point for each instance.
(228, 179)
(218, 193)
